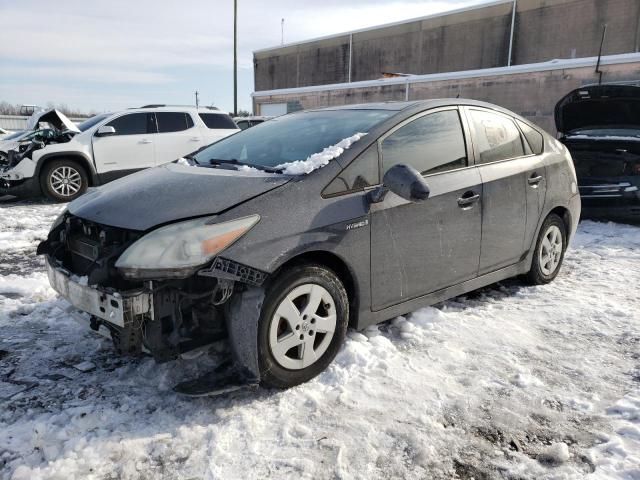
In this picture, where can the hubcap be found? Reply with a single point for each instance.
(65, 181)
(551, 250)
(302, 327)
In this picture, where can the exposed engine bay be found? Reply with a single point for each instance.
(164, 318)
(48, 127)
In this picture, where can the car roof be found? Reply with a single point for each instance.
(417, 104)
(174, 108)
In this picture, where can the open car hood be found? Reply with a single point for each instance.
(599, 106)
(170, 193)
(53, 117)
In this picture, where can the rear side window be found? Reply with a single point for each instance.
(362, 172)
(133, 124)
(218, 120)
(534, 137)
(496, 136)
(173, 121)
(430, 144)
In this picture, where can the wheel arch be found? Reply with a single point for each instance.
(565, 215)
(82, 159)
(335, 263)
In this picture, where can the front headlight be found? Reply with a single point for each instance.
(178, 249)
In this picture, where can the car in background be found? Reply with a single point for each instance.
(109, 146)
(600, 125)
(251, 121)
(279, 237)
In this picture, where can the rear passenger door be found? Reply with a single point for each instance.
(177, 136)
(504, 166)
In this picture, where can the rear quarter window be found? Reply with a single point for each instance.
(218, 121)
(534, 138)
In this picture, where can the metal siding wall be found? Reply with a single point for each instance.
(532, 95)
(477, 38)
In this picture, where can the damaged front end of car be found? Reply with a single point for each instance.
(16, 166)
(182, 304)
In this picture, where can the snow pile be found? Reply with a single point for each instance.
(319, 160)
(509, 381)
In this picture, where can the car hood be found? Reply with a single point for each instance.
(53, 117)
(595, 106)
(170, 193)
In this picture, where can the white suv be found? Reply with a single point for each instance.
(110, 146)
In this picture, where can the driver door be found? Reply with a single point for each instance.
(419, 248)
(130, 148)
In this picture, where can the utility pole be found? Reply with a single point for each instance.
(282, 32)
(235, 57)
(197, 103)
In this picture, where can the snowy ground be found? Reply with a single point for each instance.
(508, 382)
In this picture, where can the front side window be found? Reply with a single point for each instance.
(132, 124)
(496, 136)
(430, 144)
(173, 121)
(361, 173)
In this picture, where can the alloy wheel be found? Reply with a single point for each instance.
(65, 181)
(550, 252)
(302, 327)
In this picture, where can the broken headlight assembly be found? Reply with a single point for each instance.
(177, 250)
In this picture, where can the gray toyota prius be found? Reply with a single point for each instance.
(280, 237)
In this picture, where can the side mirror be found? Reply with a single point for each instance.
(405, 181)
(105, 130)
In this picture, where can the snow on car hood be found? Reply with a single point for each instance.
(170, 193)
(53, 117)
(599, 106)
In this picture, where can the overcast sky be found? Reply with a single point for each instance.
(106, 55)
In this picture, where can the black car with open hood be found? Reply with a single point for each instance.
(600, 125)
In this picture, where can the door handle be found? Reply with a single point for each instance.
(195, 139)
(468, 199)
(534, 179)
(145, 141)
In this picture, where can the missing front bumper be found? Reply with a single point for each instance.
(118, 309)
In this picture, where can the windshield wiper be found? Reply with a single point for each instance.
(236, 162)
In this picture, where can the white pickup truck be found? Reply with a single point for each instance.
(67, 160)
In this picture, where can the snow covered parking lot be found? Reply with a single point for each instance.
(508, 382)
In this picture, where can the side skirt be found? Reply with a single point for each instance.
(372, 318)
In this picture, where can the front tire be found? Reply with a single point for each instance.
(63, 180)
(549, 252)
(302, 326)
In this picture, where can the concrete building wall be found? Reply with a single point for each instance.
(532, 94)
(472, 39)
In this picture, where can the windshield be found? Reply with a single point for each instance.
(87, 124)
(291, 137)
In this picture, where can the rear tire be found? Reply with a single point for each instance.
(549, 252)
(63, 180)
(302, 325)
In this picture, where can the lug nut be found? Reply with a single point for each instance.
(301, 337)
